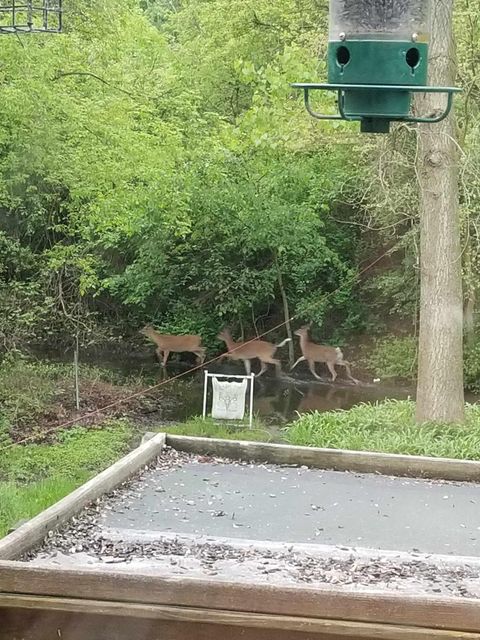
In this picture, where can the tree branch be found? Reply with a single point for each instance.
(66, 74)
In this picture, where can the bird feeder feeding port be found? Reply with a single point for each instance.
(377, 60)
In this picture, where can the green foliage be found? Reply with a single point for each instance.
(209, 428)
(76, 450)
(132, 189)
(156, 166)
(396, 357)
(32, 477)
(29, 388)
(393, 357)
(471, 367)
(388, 427)
(22, 502)
(26, 388)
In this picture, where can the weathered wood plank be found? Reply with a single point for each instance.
(39, 625)
(33, 532)
(315, 626)
(335, 459)
(375, 607)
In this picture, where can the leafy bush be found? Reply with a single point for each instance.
(394, 357)
(26, 388)
(388, 427)
(471, 367)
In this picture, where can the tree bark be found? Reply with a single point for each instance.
(440, 395)
(286, 313)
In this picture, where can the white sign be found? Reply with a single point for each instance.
(229, 398)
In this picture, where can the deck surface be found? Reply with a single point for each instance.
(254, 502)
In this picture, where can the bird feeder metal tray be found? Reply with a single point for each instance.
(375, 121)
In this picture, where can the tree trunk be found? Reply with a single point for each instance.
(286, 314)
(440, 395)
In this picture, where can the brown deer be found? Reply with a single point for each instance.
(313, 352)
(176, 344)
(249, 350)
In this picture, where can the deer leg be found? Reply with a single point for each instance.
(165, 358)
(311, 366)
(301, 359)
(278, 368)
(248, 366)
(263, 369)
(349, 371)
(331, 368)
(159, 354)
(275, 362)
(200, 353)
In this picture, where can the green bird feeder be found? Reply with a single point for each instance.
(377, 60)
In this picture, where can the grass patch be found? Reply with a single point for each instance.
(32, 477)
(208, 428)
(19, 502)
(36, 397)
(388, 427)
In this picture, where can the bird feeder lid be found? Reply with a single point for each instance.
(380, 20)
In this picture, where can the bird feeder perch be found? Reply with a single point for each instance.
(377, 60)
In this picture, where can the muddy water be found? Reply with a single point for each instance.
(276, 400)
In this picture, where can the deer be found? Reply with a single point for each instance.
(250, 350)
(313, 352)
(174, 344)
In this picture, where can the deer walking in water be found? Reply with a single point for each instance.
(174, 344)
(250, 350)
(313, 352)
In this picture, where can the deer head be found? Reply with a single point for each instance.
(224, 335)
(147, 330)
(303, 331)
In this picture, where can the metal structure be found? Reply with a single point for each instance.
(30, 16)
(377, 60)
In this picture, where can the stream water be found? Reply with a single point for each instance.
(276, 400)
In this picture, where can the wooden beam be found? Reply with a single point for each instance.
(34, 531)
(29, 624)
(335, 459)
(461, 614)
(338, 628)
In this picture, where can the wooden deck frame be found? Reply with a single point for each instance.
(109, 592)
(217, 605)
(389, 464)
(34, 531)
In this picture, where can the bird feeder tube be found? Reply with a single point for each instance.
(377, 60)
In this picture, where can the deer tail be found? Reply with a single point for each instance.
(282, 344)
